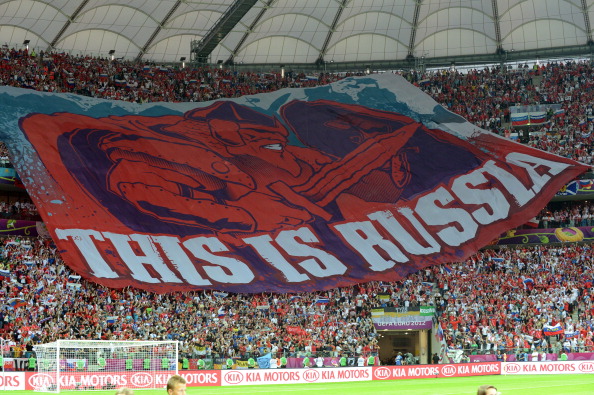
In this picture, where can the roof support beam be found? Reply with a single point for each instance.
(157, 30)
(202, 49)
(331, 31)
(68, 22)
(496, 21)
(251, 28)
(587, 22)
(413, 32)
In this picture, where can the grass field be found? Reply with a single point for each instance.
(579, 384)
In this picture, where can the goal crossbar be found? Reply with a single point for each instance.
(87, 365)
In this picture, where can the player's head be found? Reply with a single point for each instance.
(124, 391)
(176, 385)
(487, 390)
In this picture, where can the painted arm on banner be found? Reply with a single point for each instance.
(195, 179)
(333, 179)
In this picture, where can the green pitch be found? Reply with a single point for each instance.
(580, 384)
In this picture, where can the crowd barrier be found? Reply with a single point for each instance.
(13, 381)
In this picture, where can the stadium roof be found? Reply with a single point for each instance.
(321, 32)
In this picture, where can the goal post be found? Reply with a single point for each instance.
(93, 365)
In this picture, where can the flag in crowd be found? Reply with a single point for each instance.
(384, 296)
(74, 278)
(73, 286)
(16, 302)
(571, 335)
(49, 300)
(322, 301)
(552, 330)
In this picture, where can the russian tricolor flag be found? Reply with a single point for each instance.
(520, 119)
(16, 302)
(550, 330)
(219, 294)
(538, 118)
(322, 301)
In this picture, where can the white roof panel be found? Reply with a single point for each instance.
(288, 31)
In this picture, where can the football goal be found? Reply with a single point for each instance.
(87, 365)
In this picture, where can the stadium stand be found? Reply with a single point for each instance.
(497, 302)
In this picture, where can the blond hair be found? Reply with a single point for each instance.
(175, 380)
(482, 390)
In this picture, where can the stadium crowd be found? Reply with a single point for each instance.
(139, 82)
(483, 96)
(498, 300)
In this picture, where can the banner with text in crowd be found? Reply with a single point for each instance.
(403, 318)
(295, 190)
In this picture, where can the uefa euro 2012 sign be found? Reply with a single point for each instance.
(296, 190)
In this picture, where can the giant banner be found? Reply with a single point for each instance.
(296, 190)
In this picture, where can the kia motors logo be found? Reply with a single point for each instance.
(586, 367)
(311, 375)
(233, 378)
(382, 373)
(141, 379)
(512, 368)
(41, 381)
(448, 370)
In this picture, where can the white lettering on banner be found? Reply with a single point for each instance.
(553, 367)
(295, 376)
(480, 368)
(491, 197)
(200, 378)
(141, 379)
(441, 219)
(98, 380)
(330, 266)
(174, 252)
(229, 270)
(428, 371)
(432, 208)
(263, 246)
(422, 371)
(407, 240)
(448, 370)
(365, 238)
(137, 263)
(82, 239)
(281, 376)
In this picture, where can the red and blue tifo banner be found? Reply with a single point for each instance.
(296, 190)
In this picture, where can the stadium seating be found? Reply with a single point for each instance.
(496, 301)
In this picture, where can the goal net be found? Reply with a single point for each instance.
(88, 365)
